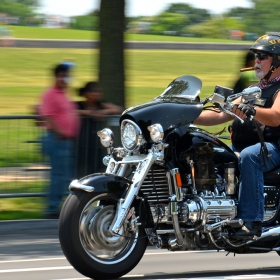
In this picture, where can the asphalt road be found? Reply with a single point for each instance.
(31, 250)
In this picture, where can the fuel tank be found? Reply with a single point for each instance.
(195, 136)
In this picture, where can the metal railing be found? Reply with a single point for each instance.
(24, 169)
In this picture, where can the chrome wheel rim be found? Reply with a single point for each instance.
(95, 238)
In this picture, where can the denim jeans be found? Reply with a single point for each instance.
(60, 153)
(252, 164)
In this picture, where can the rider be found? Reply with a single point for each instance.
(252, 160)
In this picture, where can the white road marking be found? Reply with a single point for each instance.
(27, 242)
(256, 276)
(35, 269)
(180, 252)
(64, 258)
(33, 260)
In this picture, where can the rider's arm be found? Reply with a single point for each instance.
(208, 117)
(212, 118)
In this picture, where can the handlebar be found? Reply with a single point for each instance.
(248, 95)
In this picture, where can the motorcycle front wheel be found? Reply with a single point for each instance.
(86, 242)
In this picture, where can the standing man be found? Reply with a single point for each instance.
(62, 125)
(252, 161)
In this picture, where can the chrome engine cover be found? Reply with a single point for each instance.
(218, 208)
(191, 211)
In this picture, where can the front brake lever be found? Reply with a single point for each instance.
(230, 113)
(225, 106)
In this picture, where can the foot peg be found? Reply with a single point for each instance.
(249, 229)
(238, 223)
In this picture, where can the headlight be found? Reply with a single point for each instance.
(106, 137)
(131, 135)
(156, 132)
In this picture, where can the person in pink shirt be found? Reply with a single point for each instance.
(62, 126)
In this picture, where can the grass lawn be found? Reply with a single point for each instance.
(72, 34)
(22, 207)
(25, 73)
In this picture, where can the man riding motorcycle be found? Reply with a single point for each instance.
(255, 157)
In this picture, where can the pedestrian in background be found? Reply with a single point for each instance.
(92, 110)
(62, 126)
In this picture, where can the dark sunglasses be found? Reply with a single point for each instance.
(262, 56)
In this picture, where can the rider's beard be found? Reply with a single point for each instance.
(259, 75)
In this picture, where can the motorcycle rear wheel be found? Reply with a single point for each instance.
(85, 240)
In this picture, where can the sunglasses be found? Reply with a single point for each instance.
(262, 56)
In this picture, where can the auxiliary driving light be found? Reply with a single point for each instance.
(106, 137)
(156, 132)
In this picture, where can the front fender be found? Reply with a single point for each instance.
(101, 183)
(107, 183)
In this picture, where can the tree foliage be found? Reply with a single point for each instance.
(217, 27)
(177, 17)
(194, 15)
(19, 8)
(88, 22)
(263, 17)
(168, 21)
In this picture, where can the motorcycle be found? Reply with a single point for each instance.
(172, 185)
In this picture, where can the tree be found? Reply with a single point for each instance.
(217, 27)
(194, 15)
(20, 8)
(111, 57)
(87, 22)
(177, 17)
(263, 17)
(169, 22)
(238, 12)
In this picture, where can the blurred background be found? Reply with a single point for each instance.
(133, 48)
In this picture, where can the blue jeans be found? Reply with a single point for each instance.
(252, 164)
(60, 153)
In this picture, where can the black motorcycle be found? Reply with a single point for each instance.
(172, 185)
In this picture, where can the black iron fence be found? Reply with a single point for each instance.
(24, 169)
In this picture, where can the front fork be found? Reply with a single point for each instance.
(124, 204)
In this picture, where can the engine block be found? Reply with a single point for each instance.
(191, 210)
(218, 208)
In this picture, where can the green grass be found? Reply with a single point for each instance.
(25, 73)
(23, 207)
(14, 147)
(13, 187)
(24, 32)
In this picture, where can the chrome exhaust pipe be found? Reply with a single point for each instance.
(272, 233)
(178, 242)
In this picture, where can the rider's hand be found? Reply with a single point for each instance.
(247, 109)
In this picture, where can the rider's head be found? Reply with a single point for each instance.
(267, 48)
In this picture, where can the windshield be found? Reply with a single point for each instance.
(183, 87)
